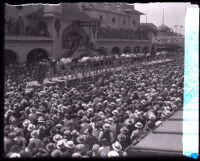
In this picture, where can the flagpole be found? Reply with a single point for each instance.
(163, 17)
(146, 15)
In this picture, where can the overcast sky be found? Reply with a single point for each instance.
(174, 13)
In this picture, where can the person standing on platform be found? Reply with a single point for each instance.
(52, 68)
(41, 72)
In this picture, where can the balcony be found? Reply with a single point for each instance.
(15, 28)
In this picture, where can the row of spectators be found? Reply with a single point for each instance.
(111, 33)
(98, 119)
(16, 26)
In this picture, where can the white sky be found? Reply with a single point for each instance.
(174, 13)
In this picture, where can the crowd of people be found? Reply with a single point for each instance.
(16, 26)
(96, 119)
(111, 33)
(83, 66)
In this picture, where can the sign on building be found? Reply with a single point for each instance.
(168, 40)
(89, 23)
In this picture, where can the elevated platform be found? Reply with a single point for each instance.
(93, 77)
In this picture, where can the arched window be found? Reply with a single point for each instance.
(127, 49)
(115, 50)
(137, 49)
(113, 20)
(124, 22)
(101, 17)
(42, 28)
(133, 22)
(10, 57)
(145, 49)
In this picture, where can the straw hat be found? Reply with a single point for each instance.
(90, 110)
(113, 154)
(80, 147)
(115, 112)
(158, 123)
(31, 127)
(57, 137)
(26, 122)
(117, 146)
(139, 125)
(143, 102)
(95, 147)
(76, 155)
(40, 119)
(70, 144)
(129, 121)
(56, 153)
(152, 117)
(15, 155)
(106, 126)
(34, 133)
(81, 139)
(110, 120)
(101, 114)
(61, 144)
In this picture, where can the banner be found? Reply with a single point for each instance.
(168, 40)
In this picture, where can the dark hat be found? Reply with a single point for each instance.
(124, 130)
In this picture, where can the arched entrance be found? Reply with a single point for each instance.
(37, 55)
(137, 49)
(127, 49)
(145, 50)
(102, 51)
(10, 57)
(73, 37)
(115, 50)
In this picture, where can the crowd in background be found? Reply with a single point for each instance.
(93, 65)
(16, 26)
(96, 119)
(111, 33)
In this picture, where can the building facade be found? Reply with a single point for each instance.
(34, 32)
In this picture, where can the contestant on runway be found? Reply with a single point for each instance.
(42, 70)
(61, 67)
(52, 68)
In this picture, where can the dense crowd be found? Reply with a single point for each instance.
(98, 119)
(111, 33)
(27, 72)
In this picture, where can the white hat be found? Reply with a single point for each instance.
(61, 143)
(117, 146)
(15, 155)
(57, 137)
(158, 123)
(139, 125)
(70, 144)
(113, 154)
